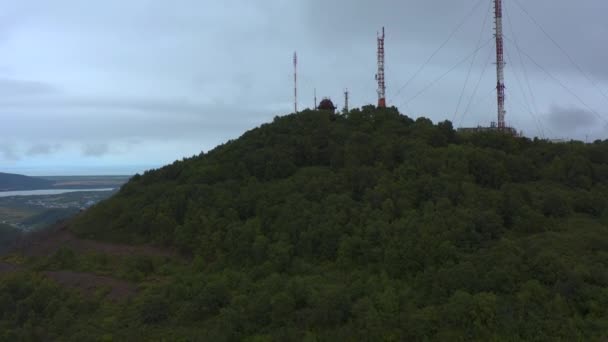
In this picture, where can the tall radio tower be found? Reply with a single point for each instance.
(500, 65)
(295, 82)
(346, 109)
(380, 74)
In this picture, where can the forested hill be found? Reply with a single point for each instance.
(13, 182)
(367, 226)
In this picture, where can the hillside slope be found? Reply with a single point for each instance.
(8, 235)
(14, 182)
(366, 226)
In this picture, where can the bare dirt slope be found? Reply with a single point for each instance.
(48, 242)
(6, 267)
(89, 283)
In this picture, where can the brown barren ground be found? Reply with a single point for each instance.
(89, 283)
(48, 242)
(6, 267)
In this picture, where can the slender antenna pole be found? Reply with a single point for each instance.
(315, 98)
(295, 82)
(346, 101)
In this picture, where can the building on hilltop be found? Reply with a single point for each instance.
(493, 128)
(327, 104)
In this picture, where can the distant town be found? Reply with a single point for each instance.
(32, 212)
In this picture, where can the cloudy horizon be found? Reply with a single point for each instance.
(112, 87)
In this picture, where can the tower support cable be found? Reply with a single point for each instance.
(445, 42)
(445, 74)
(562, 85)
(572, 61)
(466, 82)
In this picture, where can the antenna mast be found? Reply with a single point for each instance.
(346, 101)
(500, 65)
(380, 74)
(295, 82)
(316, 99)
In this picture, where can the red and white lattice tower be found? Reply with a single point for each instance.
(500, 65)
(380, 74)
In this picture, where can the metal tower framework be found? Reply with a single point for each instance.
(295, 82)
(346, 101)
(500, 65)
(380, 74)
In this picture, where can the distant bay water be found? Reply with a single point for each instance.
(48, 192)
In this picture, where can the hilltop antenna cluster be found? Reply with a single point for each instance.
(500, 65)
(380, 74)
(379, 77)
(295, 82)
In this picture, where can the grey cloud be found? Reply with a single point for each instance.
(11, 88)
(417, 27)
(571, 118)
(42, 149)
(8, 152)
(149, 105)
(95, 150)
(200, 123)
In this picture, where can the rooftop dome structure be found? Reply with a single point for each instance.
(326, 104)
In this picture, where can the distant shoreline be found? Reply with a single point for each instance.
(48, 192)
(14, 182)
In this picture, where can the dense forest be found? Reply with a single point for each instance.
(325, 227)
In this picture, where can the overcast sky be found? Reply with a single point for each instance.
(115, 87)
